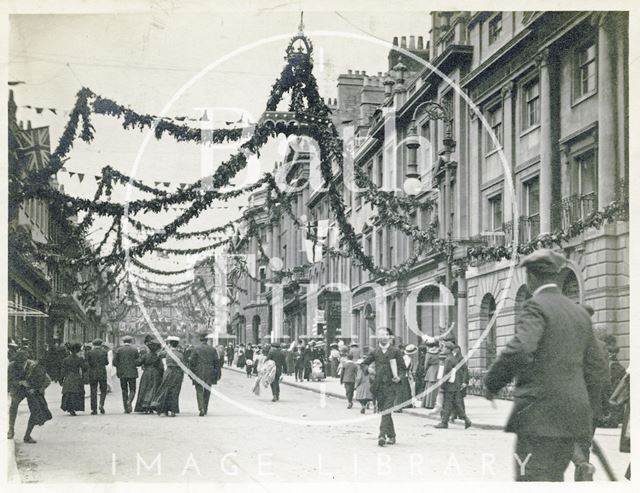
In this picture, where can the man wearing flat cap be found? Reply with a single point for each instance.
(205, 364)
(125, 359)
(557, 365)
(97, 359)
(455, 378)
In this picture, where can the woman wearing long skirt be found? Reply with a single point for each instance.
(73, 369)
(403, 392)
(431, 376)
(27, 379)
(153, 369)
(166, 400)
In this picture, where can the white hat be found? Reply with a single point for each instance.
(173, 338)
(210, 336)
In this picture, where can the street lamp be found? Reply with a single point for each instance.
(435, 111)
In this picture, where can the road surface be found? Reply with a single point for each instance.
(237, 443)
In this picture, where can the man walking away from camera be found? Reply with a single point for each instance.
(558, 366)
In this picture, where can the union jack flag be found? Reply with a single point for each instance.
(34, 147)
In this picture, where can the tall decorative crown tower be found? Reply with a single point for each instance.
(300, 48)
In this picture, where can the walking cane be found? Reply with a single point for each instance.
(603, 460)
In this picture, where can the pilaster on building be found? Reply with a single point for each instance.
(538, 104)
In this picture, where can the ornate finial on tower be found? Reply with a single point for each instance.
(300, 46)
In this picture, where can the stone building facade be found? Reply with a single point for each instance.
(537, 107)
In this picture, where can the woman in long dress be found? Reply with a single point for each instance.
(403, 393)
(73, 369)
(153, 369)
(166, 400)
(27, 379)
(241, 358)
(432, 364)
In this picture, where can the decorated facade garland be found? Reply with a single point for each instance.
(142, 279)
(182, 133)
(297, 79)
(159, 272)
(617, 210)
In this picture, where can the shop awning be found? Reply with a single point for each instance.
(24, 311)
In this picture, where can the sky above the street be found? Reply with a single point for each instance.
(142, 60)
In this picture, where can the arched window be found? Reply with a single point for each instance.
(370, 317)
(569, 285)
(428, 313)
(490, 345)
(522, 295)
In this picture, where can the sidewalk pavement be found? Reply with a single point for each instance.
(479, 409)
(483, 413)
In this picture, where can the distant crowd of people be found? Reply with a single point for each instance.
(419, 368)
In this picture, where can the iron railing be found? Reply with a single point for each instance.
(476, 385)
(529, 228)
(576, 207)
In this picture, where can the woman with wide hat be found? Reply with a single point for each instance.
(166, 400)
(153, 369)
(73, 370)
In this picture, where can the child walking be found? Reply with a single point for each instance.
(363, 387)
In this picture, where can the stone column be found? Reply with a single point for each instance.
(622, 100)
(607, 138)
(268, 248)
(508, 96)
(546, 145)
(443, 310)
(462, 324)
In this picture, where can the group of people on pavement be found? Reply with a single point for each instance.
(160, 384)
(565, 385)
(305, 360)
(163, 374)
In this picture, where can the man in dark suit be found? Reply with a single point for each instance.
(388, 363)
(558, 367)
(125, 359)
(277, 356)
(53, 360)
(97, 360)
(452, 404)
(348, 378)
(204, 362)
